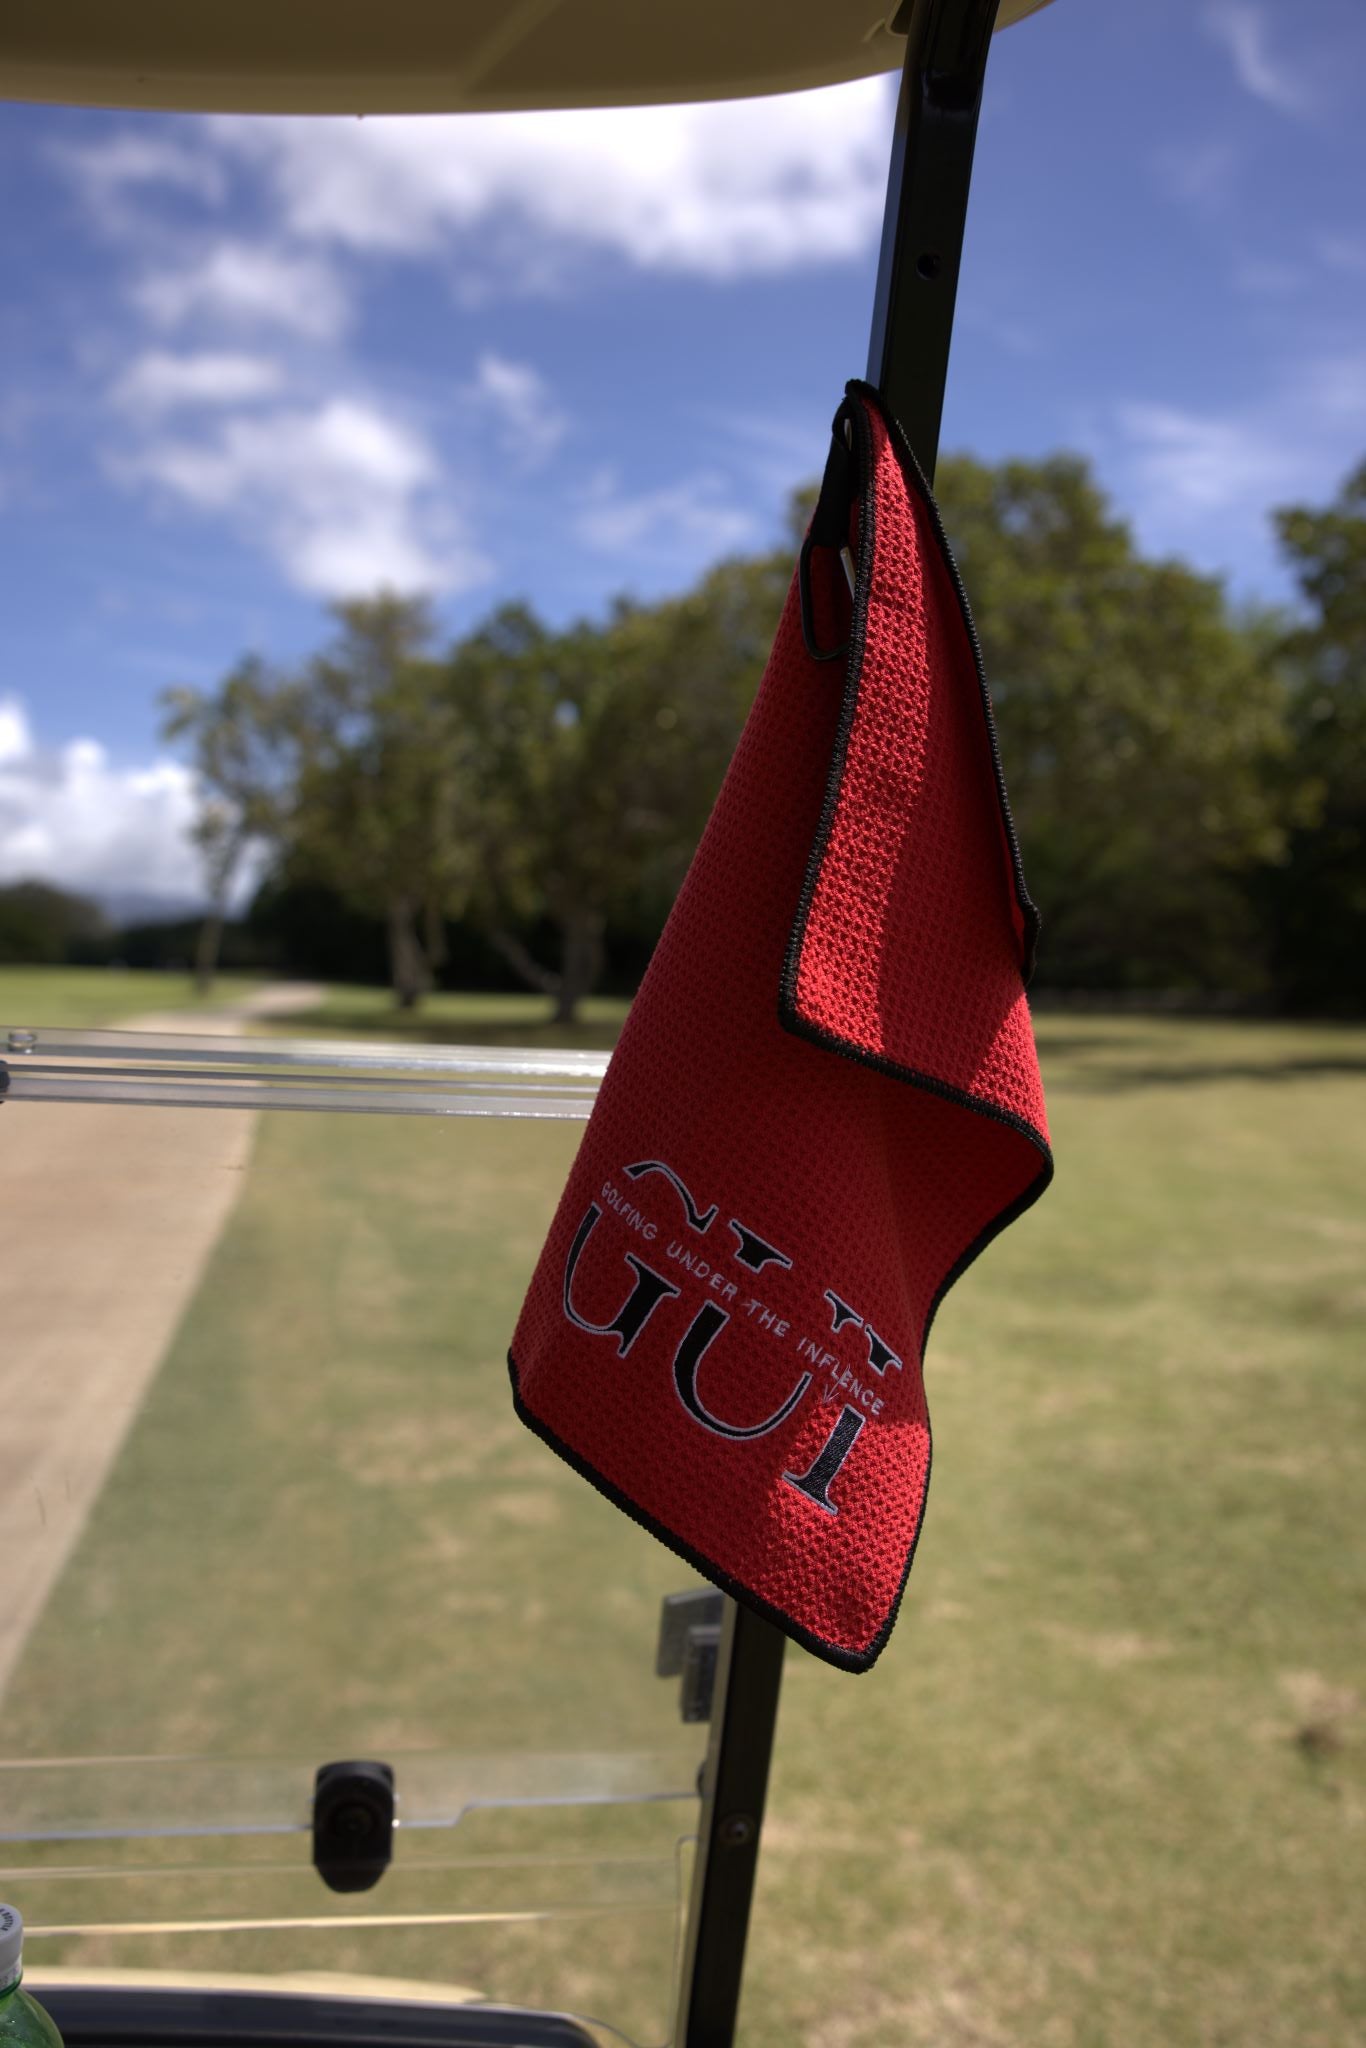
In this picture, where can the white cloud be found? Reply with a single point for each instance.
(73, 818)
(721, 190)
(110, 174)
(245, 284)
(1346, 253)
(343, 497)
(1336, 398)
(697, 510)
(1292, 440)
(520, 398)
(1242, 30)
(1200, 173)
(237, 396)
(1203, 483)
(768, 455)
(158, 382)
(16, 743)
(1265, 277)
(1200, 463)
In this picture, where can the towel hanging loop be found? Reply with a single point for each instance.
(829, 528)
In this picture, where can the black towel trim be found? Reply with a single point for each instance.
(839, 1654)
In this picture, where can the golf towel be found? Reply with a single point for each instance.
(825, 1101)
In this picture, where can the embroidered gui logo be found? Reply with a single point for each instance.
(726, 1261)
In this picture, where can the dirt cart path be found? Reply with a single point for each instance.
(107, 1216)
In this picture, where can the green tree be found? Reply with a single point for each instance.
(545, 784)
(569, 731)
(43, 926)
(350, 773)
(600, 751)
(384, 787)
(524, 780)
(1317, 895)
(603, 750)
(1141, 728)
(240, 737)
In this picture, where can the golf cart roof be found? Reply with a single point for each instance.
(427, 56)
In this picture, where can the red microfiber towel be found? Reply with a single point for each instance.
(825, 1101)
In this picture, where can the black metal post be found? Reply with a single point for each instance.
(927, 202)
(749, 1675)
(922, 240)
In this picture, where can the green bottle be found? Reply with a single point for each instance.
(23, 2023)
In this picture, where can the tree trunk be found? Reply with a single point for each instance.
(434, 934)
(524, 963)
(206, 950)
(581, 955)
(581, 951)
(409, 972)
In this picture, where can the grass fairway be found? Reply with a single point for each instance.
(470, 1019)
(87, 997)
(1107, 1789)
(1107, 1786)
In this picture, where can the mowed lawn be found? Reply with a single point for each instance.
(1106, 1787)
(86, 998)
(495, 1019)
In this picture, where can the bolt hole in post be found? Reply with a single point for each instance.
(928, 264)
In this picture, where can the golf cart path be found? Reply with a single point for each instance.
(108, 1215)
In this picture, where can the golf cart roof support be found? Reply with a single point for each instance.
(922, 240)
(927, 202)
(749, 1673)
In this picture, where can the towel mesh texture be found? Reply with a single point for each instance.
(825, 1101)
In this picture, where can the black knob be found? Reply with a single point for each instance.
(353, 1824)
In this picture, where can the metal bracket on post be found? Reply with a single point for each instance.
(927, 201)
(689, 1644)
(749, 1672)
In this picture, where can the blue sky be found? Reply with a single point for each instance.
(254, 365)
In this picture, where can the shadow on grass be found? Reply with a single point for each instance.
(1107, 1057)
(414, 1027)
(1068, 1044)
(1114, 1079)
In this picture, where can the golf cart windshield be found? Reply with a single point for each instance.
(269, 1516)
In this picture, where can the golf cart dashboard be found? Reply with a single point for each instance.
(93, 2016)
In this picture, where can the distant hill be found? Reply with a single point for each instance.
(148, 906)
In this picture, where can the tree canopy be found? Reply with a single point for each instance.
(1189, 781)
(1138, 722)
(1317, 894)
(43, 926)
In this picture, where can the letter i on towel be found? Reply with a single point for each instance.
(826, 1098)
